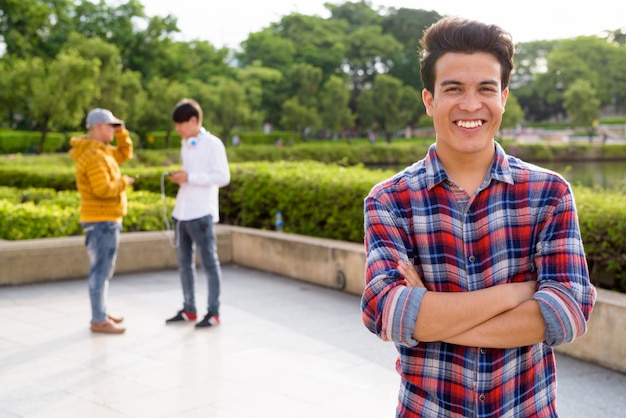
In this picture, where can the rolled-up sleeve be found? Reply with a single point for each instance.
(389, 307)
(565, 296)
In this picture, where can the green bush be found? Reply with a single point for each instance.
(12, 141)
(602, 216)
(47, 213)
(614, 120)
(261, 138)
(317, 199)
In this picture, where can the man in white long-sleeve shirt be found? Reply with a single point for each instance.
(204, 170)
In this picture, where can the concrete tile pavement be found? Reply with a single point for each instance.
(285, 348)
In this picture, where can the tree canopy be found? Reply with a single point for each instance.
(356, 70)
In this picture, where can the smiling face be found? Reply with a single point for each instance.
(467, 106)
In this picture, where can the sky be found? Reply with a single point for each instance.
(229, 22)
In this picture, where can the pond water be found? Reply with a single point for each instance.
(608, 174)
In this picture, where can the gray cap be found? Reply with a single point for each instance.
(99, 115)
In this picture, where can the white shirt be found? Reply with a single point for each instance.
(204, 159)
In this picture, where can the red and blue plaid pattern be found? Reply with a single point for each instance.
(521, 225)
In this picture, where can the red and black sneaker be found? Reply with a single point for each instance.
(209, 320)
(182, 316)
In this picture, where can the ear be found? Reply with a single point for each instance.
(505, 96)
(427, 98)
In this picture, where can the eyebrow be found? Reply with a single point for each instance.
(482, 83)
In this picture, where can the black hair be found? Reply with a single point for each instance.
(185, 110)
(453, 34)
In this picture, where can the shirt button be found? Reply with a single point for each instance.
(472, 258)
(482, 398)
(483, 351)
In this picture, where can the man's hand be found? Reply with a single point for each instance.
(178, 177)
(410, 274)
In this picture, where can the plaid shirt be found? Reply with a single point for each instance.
(520, 225)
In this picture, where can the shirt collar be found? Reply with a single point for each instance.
(435, 173)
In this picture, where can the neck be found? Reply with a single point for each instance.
(468, 170)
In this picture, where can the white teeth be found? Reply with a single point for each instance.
(469, 123)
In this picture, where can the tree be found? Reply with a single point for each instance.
(357, 14)
(333, 105)
(389, 106)
(582, 105)
(268, 49)
(5, 107)
(530, 60)
(368, 53)
(144, 50)
(615, 77)
(585, 57)
(133, 100)
(297, 117)
(317, 41)
(513, 114)
(563, 69)
(617, 36)
(366, 110)
(26, 25)
(110, 69)
(195, 60)
(162, 96)
(61, 90)
(259, 83)
(411, 106)
(407, 27)
(305, 83)
(597, 54)
(387, 93)
(229, 106)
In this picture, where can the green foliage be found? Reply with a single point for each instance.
(159, 140)
(38, 176)
(316, 199)
(31, 221)
(34, 213)
(12, 141)
(260, 138)
(514, 113)
(143, 69)
(581, 103)
(602, 216)
(613, 120)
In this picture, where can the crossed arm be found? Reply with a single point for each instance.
(502, 316)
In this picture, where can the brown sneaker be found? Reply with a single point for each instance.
(116, 319)
(107, 327)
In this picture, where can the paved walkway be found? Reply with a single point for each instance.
(285, 349)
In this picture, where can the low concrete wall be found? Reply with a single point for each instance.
(330, 263)
(41, 260)
(605, 340)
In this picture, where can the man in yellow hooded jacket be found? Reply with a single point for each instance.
(102, 205)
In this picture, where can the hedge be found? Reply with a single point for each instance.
(316, 199)
(34, 213)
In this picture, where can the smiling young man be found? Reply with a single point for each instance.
(475, 264)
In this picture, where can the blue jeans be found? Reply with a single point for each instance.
(198, 233)
(102, 240)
